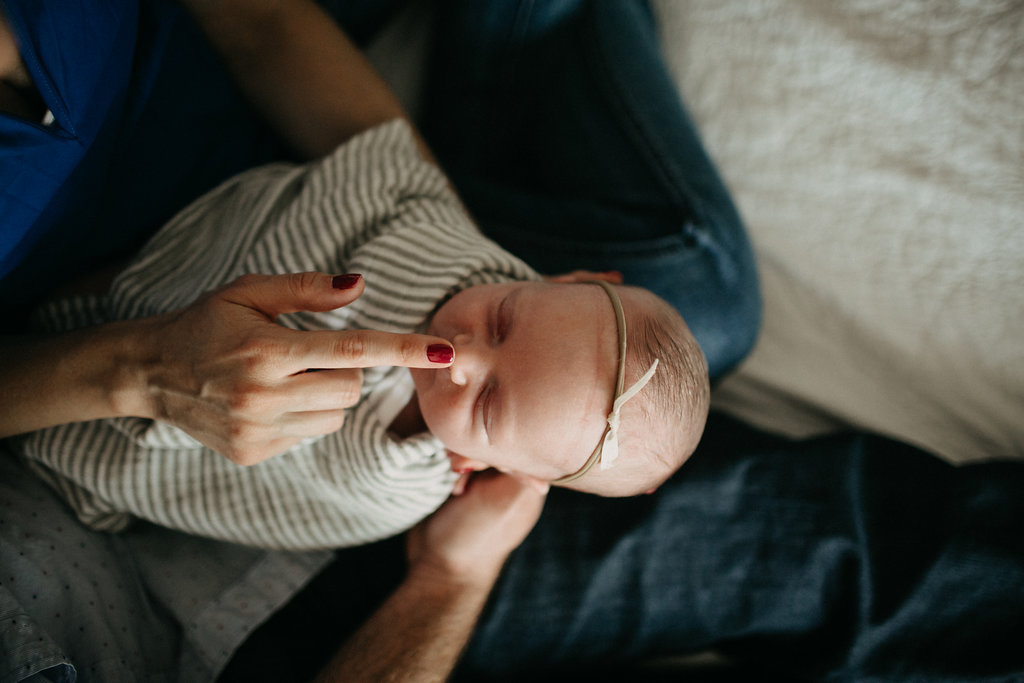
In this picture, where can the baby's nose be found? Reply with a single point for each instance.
(458, 375)
(468, 360)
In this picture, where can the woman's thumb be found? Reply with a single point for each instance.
(279, 294)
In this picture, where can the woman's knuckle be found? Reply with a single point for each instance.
(298, 284)
(242, 402)
(248, 457)
(240, 454)
(267, 345)
(350, 393)
(237, 435)
(247, 280)
(258, 352)
(250, 399)
(308, 281)
(410, 349)
(334, 422)
(350, 346)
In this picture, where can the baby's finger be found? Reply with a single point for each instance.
(369, 348)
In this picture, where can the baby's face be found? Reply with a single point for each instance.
(532, 380)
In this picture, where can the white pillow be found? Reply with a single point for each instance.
(876, 152)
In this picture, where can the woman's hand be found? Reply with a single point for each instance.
(221, 369)
(226, 373)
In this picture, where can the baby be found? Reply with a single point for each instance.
(597, 387)
(537, 386)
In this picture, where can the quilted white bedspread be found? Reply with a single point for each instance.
(876, 151)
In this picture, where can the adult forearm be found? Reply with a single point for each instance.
(455, 558)
(298, 67)
(82, 375)
(417, 635)
(221, 369)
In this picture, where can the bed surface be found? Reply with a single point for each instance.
(876, 152)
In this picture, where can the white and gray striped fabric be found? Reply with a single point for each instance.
(372, 207)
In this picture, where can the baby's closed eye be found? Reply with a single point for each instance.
(485, 407)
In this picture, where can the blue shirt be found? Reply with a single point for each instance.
(145, 120)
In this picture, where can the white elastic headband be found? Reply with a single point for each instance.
(608, 447)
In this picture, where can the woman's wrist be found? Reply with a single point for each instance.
(124, 376)
(86, 374)
(104, 371)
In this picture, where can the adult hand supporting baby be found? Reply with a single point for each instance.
(455, 558)
(470, 537)
(221, 369)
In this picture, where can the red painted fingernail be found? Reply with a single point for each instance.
(347, 281)
(440, 353)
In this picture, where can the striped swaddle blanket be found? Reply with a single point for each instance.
(371, 207)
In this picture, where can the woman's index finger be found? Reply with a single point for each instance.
(371, 348)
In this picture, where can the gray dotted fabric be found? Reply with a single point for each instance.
(71, 603)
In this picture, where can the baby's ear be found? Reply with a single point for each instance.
(612, 276)
(462, 465)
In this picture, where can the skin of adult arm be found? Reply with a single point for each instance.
(455, 558)
(221, 368)
(297, 66)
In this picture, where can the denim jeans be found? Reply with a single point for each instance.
(845, 557)
(562, 130)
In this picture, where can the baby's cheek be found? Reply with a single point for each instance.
(436, 415)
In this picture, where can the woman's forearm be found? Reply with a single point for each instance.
(82, 375)
(221, 369)
(299, 69)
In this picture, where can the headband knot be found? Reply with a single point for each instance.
(610, 444)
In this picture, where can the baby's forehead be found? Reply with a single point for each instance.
(565, 370)
(565, 300)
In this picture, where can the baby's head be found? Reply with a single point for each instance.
(534, 376)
